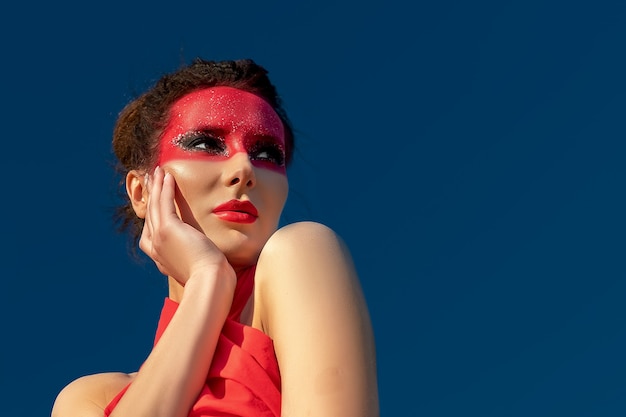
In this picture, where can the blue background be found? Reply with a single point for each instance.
(471, 154)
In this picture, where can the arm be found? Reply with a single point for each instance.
(312, 306)
(173, 374)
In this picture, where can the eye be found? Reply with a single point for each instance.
(269, 152)
(203, 142)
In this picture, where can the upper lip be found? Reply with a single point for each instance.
(238, 205)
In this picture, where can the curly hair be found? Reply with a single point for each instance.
(141, 122)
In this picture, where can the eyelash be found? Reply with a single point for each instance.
(214, 145)
(275, 153)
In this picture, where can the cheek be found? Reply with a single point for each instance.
(191, 174)
(189, 190)
(271, 166)
(277, 188)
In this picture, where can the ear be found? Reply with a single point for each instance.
(137, 191)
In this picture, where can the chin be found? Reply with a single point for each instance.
(241, 246)
(243, 253)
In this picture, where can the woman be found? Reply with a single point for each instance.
(258, 321)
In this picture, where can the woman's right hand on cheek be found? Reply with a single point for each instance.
(177, 249)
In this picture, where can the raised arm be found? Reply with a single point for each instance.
(173, 374)
(311, 305)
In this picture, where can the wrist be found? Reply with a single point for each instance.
(219, 280)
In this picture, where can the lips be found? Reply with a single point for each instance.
(237, 211)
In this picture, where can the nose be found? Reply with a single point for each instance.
(239, 171)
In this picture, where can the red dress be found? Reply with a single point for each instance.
(243, 380)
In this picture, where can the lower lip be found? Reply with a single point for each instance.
(236, 216)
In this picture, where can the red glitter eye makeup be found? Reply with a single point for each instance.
(216, 123)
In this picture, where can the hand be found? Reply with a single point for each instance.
(177, 249)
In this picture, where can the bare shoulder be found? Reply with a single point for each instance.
(304, 255)
(303, 241)
(297, 229)
(87, 396)
(311, 304)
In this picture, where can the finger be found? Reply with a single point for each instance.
(156, 183)
(168, 192)
(147, 225)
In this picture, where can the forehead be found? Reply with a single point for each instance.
(225, 108)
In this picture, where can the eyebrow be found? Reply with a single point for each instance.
(217, 131)
(264, 138)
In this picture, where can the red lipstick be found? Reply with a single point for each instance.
(237, 211)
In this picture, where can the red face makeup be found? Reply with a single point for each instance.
(215, 123)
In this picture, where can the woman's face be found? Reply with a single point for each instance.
(225, 148)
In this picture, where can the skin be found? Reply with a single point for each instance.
(305, 283)
(250, 131)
